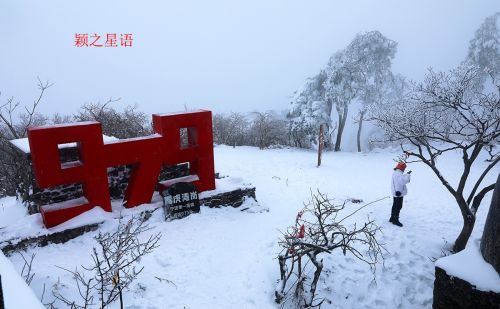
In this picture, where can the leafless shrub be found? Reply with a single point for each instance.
(261, 129)
(114, 265)
(26, 272)
(319, 228)
(15, 177)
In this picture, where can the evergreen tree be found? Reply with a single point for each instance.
(308, 111)
(484, 50)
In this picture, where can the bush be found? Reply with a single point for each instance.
(319, 229)
(126, 124)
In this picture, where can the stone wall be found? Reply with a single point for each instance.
(118, 177)
(55, 194)
(453, 292)
(16, 245)
(232, 198)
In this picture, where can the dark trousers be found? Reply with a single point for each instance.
(397, 204)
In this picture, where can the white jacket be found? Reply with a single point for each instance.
(399, 181)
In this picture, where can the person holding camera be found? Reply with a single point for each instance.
(399, 190)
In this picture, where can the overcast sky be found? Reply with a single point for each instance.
(217, 55)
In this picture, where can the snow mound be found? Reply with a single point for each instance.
(16, 292)
(470, 266)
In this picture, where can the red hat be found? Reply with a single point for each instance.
(401, 166)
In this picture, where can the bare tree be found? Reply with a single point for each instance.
(8, 116)
(319, 229)
(126, 124)
(58, 118)
(446, 113)
(15, 175)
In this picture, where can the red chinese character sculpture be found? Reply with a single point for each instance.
(90, 171)
(146, 154)
(199, 151)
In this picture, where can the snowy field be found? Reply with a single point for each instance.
(226, 258)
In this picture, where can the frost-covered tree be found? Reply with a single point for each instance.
(378, 79)
(484, 49)
(308, 111)
(448, 112)
(342, 86)
(356, 72)
(390, 93)
(230, 130)
(220, 128)
(267, 129)
(238, 127)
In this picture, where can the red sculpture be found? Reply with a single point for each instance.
(147, 154)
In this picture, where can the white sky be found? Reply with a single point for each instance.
(218, 55)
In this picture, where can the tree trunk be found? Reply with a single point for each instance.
(490, 241)
(121, 297)
(342, 119)
(320, 143)
(317, 274)
(468, 226)
(360, 127)
(2, 305)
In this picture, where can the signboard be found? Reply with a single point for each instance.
(181, 200)
(147, 154)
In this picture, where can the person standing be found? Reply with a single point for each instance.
(399, 190)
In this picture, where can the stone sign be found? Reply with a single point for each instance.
(180, 200)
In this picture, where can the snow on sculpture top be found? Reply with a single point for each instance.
(24, 145)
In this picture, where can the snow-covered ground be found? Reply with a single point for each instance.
(226, 258)
(16, 293)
